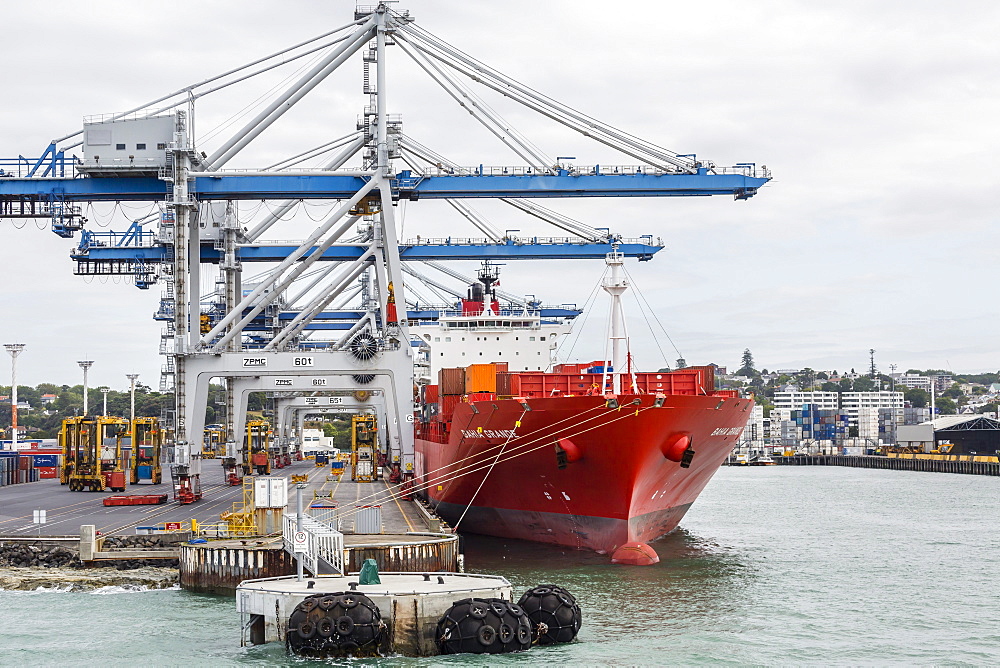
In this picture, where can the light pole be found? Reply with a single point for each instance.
(14, 349)
(131, 388)
(104, 391)
(131, 413)
(85, 364)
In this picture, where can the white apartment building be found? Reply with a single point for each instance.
(915, 381)
(793, 400)
(940, 382)
(854, 404)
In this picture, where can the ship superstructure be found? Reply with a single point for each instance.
(483, 328)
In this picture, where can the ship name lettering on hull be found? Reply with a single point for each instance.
(489, 433)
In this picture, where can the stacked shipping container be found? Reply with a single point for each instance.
(21, 466)
(16, 468)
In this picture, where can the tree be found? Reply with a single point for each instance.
(766, 404)
(822, 376)
(953, 392)
(830, 387)
(846, 385)
(747, 368)
(864, 384)
(918, 398)
(945, 406)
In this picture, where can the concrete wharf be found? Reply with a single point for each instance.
(411, 538)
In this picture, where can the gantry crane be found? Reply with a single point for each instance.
(151, 154)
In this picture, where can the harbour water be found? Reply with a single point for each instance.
(773, 565)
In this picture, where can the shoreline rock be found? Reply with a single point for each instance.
(84, 580)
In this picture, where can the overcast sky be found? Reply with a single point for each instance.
(878, 120)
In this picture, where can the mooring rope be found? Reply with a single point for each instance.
(489, 471)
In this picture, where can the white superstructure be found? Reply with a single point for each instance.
(480, 330)
(523, 341)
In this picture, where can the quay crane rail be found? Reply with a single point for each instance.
(150, 154)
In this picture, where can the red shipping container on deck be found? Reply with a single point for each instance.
(431, 394)
(448, 403)
(503, 384)
(451, 381)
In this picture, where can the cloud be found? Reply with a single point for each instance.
(878, 121)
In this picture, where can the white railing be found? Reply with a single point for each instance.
(130, 116)
(582, 170)
(324, 542)
(522, 241)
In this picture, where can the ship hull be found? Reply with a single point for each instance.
(573, 471)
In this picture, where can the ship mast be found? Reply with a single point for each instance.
(615, 285)
(488, 275)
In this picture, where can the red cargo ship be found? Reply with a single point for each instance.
(589, 456)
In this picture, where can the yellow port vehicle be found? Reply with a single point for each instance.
(364, 445)
(256, 448)
(91, 448)
(147, 443)
(215, 442)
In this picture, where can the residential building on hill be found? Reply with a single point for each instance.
(794, 399)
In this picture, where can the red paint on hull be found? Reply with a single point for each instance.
(614, 486)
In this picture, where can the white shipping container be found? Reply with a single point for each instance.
(270, 492)
(368, 519)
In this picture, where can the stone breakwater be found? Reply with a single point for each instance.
(34, 556)
(84, 580)
(41, 556)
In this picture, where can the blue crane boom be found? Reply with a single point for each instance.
(528, 249)
(406, 185)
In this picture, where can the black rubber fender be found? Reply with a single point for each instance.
(486, 635)
(345, 625)
(306, 630)
(554, 613)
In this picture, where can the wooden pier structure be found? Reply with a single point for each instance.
(965, 464)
